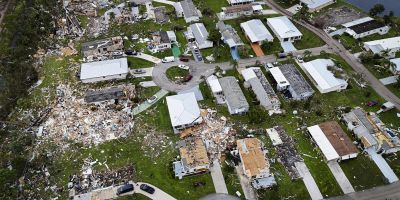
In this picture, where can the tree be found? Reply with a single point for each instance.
(366, 57)
(397, 83)
(307, 53)
(234, 63)
(214, 36)
(377, 9)
(303, 13)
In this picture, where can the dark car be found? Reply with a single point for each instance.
(139, 71)
(131, 52)
(184, 59)
(372, 103)
(147, 188)
(187, 78)
(124, 189)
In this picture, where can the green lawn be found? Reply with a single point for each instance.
(394, 89)
(350, 43)
(176, 73)
(136, 63)
(309, 39)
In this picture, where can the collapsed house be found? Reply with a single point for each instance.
(233, 95)
(286, 150)
(82, 7)
(290, 81)
(160, 14)
(161, 41)
(115, 69)
(236, 11)
(194, 159)
(371, 131)
(326, 76)
(262, 89)
(69, 25)
(104, 94)
(184, 111)
(384, 47)
(103, 49)
(188, 10)
(364, 27)
(198, 33)
(333, 141)
(254, 163)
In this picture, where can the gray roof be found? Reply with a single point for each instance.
(229, 35)
(200, 33)
(188, 8)
(96, 44)
(295, 79)
(233, 93)
(102, 95)
(164, 38)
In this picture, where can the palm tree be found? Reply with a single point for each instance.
(234, 63)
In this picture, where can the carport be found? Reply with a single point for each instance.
(235, 53)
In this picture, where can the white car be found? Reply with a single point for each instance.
(183, 67)
(152, 99)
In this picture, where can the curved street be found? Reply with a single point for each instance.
(339, 49)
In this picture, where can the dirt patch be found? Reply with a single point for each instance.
(338, 16)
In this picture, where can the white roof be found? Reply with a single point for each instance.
(213, 82)
(200, 33)
(257, 7)
(384, 44)
(239, 1)
(274, 136)
(283, 27)
(323, 143)
(104, 68)
(171, 35)
(248, 74)
(396, 62)
(325, 79)
(256, 30)
(312, 4)
(357, 21)
(183, 109)
(279, 77)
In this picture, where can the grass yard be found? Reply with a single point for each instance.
(136, 63)
(220, 53)
(214, 5)
(175, 73)
(309, 39)
(231, 179)
(350, 43)
(394, 89)
(394, 162)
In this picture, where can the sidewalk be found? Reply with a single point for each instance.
(340, 177)
(218, 178)
(309, 181)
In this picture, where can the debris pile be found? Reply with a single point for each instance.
(72, 119)
(90, 180)
(154, 143)
(287, 153)
(216, 133)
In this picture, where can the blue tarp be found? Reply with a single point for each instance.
(235, 53)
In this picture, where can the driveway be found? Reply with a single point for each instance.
(218, 178)
(148, 57)
(248, 191)
(309, 181)
(145, 105)
(147, 72)
(386, 170)
(340, 177)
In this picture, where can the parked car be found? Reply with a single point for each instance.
(117, 53)
(183, 67)
(184, 59)
(168, 59)
(187, 78)
(147, 188)
(125, 188)
(372, 103)
(152, 99)
(131, 52)
(269, 65)
(300, 59)
(139, 71)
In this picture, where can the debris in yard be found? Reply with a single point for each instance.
(91, 179)
(72, 119)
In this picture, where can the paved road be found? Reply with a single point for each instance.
(200, 69)
(309, 181)
(110, 193)
(340, 177)
(386, 192)
(218, 178)
(346, 55)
